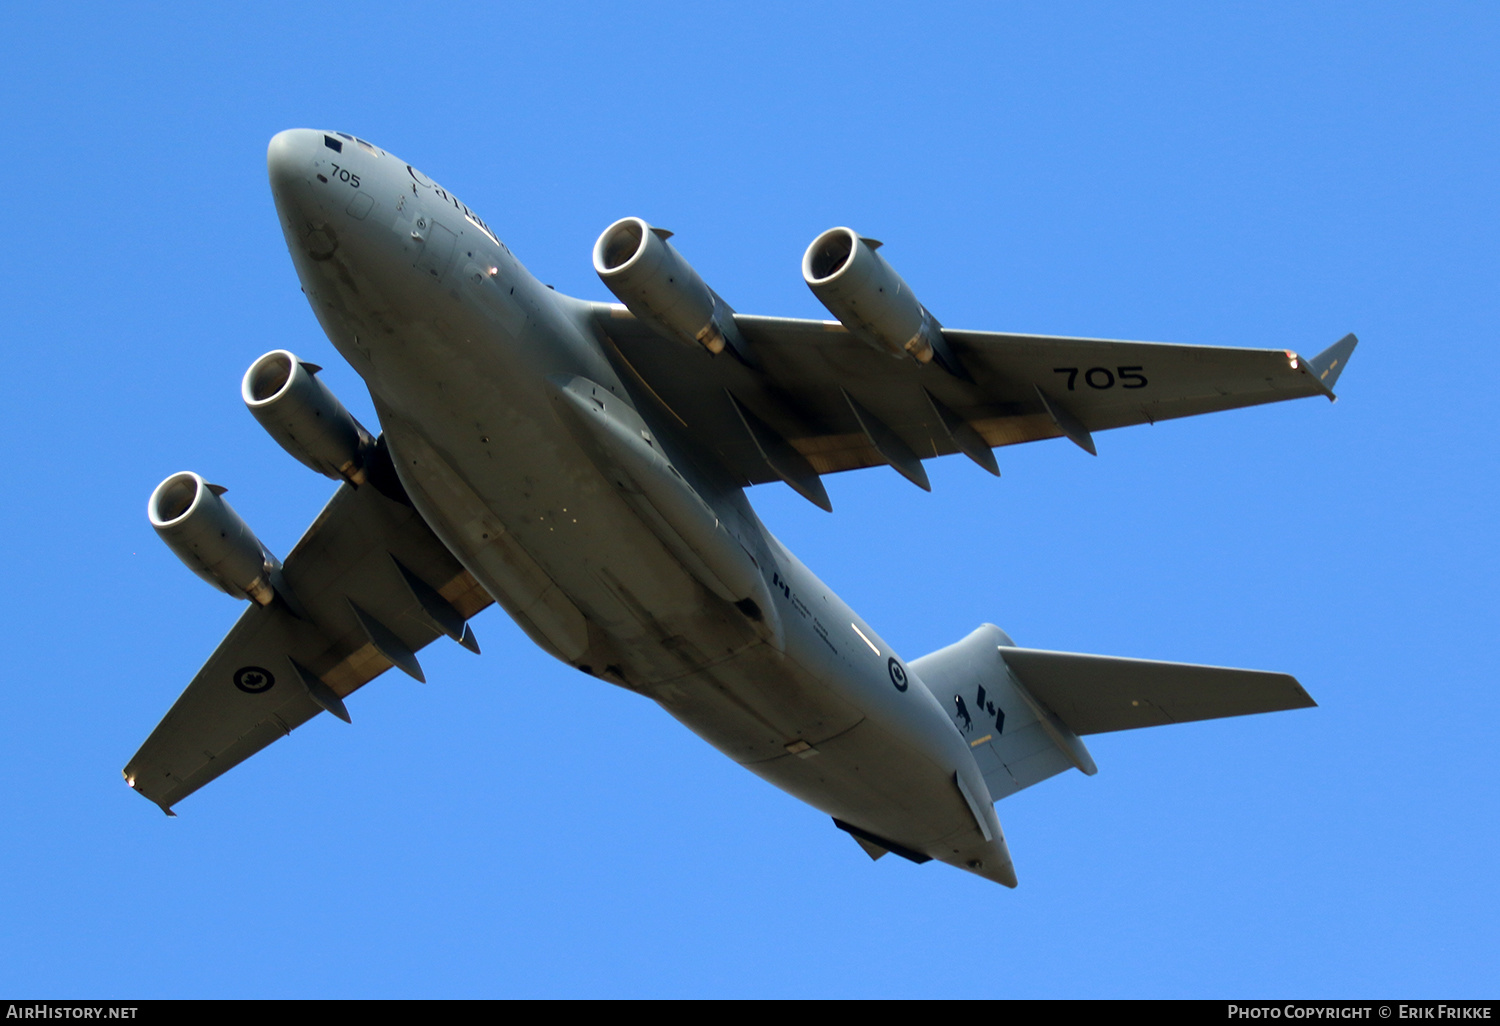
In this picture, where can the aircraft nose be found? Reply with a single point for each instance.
(289, 161)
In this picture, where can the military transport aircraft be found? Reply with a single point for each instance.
(584, 465)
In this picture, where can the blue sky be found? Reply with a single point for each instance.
(1232, 174)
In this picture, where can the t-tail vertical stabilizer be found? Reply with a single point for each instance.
(1016, 740)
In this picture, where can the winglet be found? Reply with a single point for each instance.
(1329, 364)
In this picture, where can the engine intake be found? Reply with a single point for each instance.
(646, 273)
(869, 298)
(208, 535)
(305, 418)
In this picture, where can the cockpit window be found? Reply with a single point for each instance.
(333, 144)
(369, 146)
(344, 135)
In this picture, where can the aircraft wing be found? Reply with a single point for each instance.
(813, 399)
(372, 584)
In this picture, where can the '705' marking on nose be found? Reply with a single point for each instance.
(343, 175)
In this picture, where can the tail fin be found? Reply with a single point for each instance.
(1024, 708)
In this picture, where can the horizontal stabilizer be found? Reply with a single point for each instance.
(1021, 709)
(1094, 694)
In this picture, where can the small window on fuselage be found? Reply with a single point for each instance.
(333, 144)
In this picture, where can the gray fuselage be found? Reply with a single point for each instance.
(615, 540)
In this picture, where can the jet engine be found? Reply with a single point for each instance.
(305, 418)
(638, 264)
(868, 297)
(207, 534)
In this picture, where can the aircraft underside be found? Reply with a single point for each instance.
(547, 533)
(584, 466)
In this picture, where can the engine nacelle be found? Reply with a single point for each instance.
(209, 536)
(305, 418)
(868, 297)
(638, 264)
